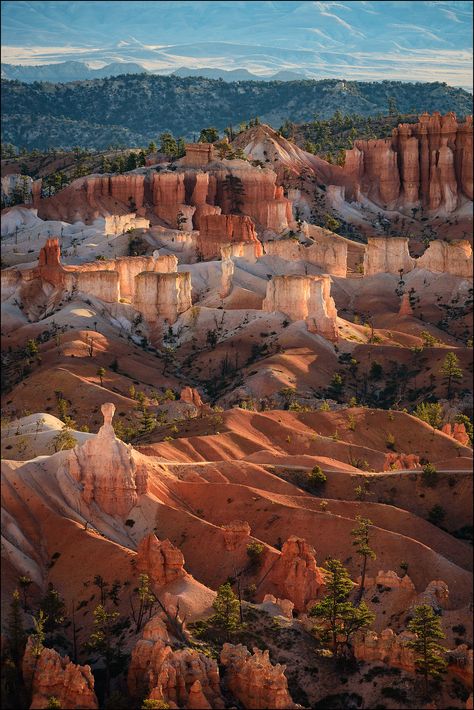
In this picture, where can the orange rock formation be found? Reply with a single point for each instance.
(254, 681)
(160, 560)
(49, 674)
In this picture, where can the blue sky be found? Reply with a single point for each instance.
(366, 40)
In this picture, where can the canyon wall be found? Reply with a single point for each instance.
(425, 165)
(327, 253)
(304, 298)
(101, 284)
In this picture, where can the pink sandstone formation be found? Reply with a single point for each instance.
(400, 462)
(115, 485)
(162, 297)
(447, 258)
(198, 154)
(427, 165)
(458, 432)
(168, 675)
(435, 595)
(217, 230)
(387, 255)
(393, 650)
(304, 298)
(236, 534)
(388, 647)
(296, 575)
(285, 605)
(254, 681)
(160, 560)
(250, 251)
(328, 252)
(227, 273)
(391, 580)
(405, 307)
(50, 675)
(189, 395)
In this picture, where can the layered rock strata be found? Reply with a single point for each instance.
(423, 165)
(304, 298)
(390, 255)
(219, 229)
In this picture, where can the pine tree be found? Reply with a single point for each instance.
(101, 373)
(16, 636)
(227, 608)
(131, 162)
(340, 618)
(24, 582)
(102, 640)
(54, 609)
(168, 145)
(451, 371)
(209, 135)
(234, 188)
(429, 654)
(361, 542)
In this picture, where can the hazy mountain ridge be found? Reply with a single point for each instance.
(145, 105)
(80, 71)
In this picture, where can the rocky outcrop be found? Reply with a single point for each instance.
(236, 534)
(393, 650)
(435, 595)
(447, 258)
(250, 251)
(162, 297)
(198, 155)
(227, 273)
(328, 252)
(189, 395)
(387, 255)
(116, 484)
(458, 432)
(100, 284)
(217, 230)
(93, 196)
(169, 195)
(284, 606)
(388, 647)
(163, 674)
(390, 580)
(253, 680)
(304, 298)
(405, 306)
(426, 164)
(295, 574)
(49, 675)
(160, 560)
(400, 462)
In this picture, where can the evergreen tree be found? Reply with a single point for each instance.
(234, 189)
(429, 654)
(431, 413)
(16, 636)
(451, 371)
(151, 147)
(54, 609)
(131, 162)
(340, 618)
(101, 373)
(227, 608)
(24, 582)
(209, 135)
(168, 145)
(102, 640)
(361, 542)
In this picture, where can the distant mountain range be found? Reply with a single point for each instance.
(62, 72)
(132, 110)
(419, 40)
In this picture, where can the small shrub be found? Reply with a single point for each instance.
(429, 476)
(317, 478)
(255, 551)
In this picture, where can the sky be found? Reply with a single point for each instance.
(408, 40)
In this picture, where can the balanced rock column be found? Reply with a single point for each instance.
(110, 474)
